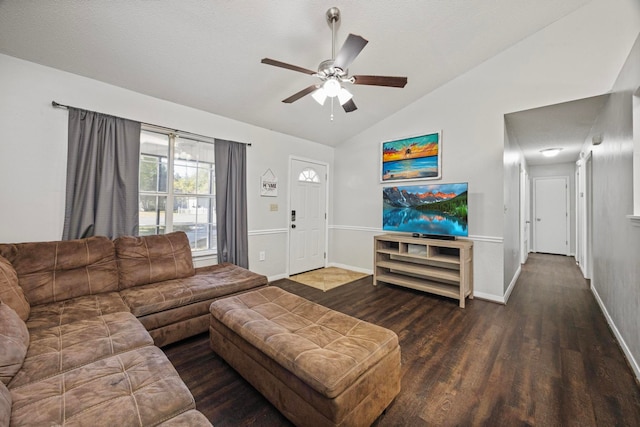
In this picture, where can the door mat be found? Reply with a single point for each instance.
(327, 278)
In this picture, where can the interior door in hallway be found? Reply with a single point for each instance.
(307, 216)
(551, 215)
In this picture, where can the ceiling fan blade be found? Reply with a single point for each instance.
(380, 81)
(349, 106)
(349, 50)
(303, 92)
(280, 64)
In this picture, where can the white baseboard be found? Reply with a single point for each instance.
(512, 284)
(623, 345)
(350, 267)
(488, 297)
(276, 277)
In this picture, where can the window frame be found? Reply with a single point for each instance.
(173, 138)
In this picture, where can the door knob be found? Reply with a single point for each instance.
(293, 226)
(538, 219)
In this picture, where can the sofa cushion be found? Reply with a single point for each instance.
(73, 310)
(5, 406)
(208, 283)
(14, 342)
(61, 348)
(139, 387)
(150, 259)
(10, 291)
(60, 270)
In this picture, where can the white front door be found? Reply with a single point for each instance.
(307, 216)
(551, 215)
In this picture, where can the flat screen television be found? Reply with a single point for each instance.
(430, 210)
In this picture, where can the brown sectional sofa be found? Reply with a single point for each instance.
(80, 322)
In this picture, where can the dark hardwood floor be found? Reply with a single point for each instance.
(547, 358)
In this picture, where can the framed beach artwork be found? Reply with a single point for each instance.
(413, 158)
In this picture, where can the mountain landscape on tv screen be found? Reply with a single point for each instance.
(439, 209)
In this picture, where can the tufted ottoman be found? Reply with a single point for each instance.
(319, 367)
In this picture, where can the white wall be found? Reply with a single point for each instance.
(616, 239)
(33, 153)
(576, 57)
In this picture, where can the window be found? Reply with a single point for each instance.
(308, 175)
(178, 172)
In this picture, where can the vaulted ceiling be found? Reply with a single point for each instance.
(206, 54)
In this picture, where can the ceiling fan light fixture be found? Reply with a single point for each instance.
(331, 87)
(319, 95)
(344, 96)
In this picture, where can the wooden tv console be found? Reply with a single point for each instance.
(442, 267)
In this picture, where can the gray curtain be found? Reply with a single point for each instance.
(231, 202)
(102, 176)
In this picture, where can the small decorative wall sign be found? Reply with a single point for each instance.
(410, 159)
(269, 184)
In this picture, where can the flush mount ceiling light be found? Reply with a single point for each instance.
(551, 152)
(334, 72)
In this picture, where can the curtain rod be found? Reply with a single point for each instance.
(66, 107)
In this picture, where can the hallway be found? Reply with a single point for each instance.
(580, 370)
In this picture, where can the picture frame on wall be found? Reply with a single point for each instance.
(412, 158)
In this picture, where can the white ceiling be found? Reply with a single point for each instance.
(564, 126)
(206, 54)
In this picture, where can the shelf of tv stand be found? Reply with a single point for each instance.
(419, 284)
(420, 269)
(441, 267)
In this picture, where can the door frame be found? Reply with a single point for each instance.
(589, 215)
(326, 206)
(568, 210)
(525, 214)
(584, 212)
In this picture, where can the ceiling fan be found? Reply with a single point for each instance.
(334, 72)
